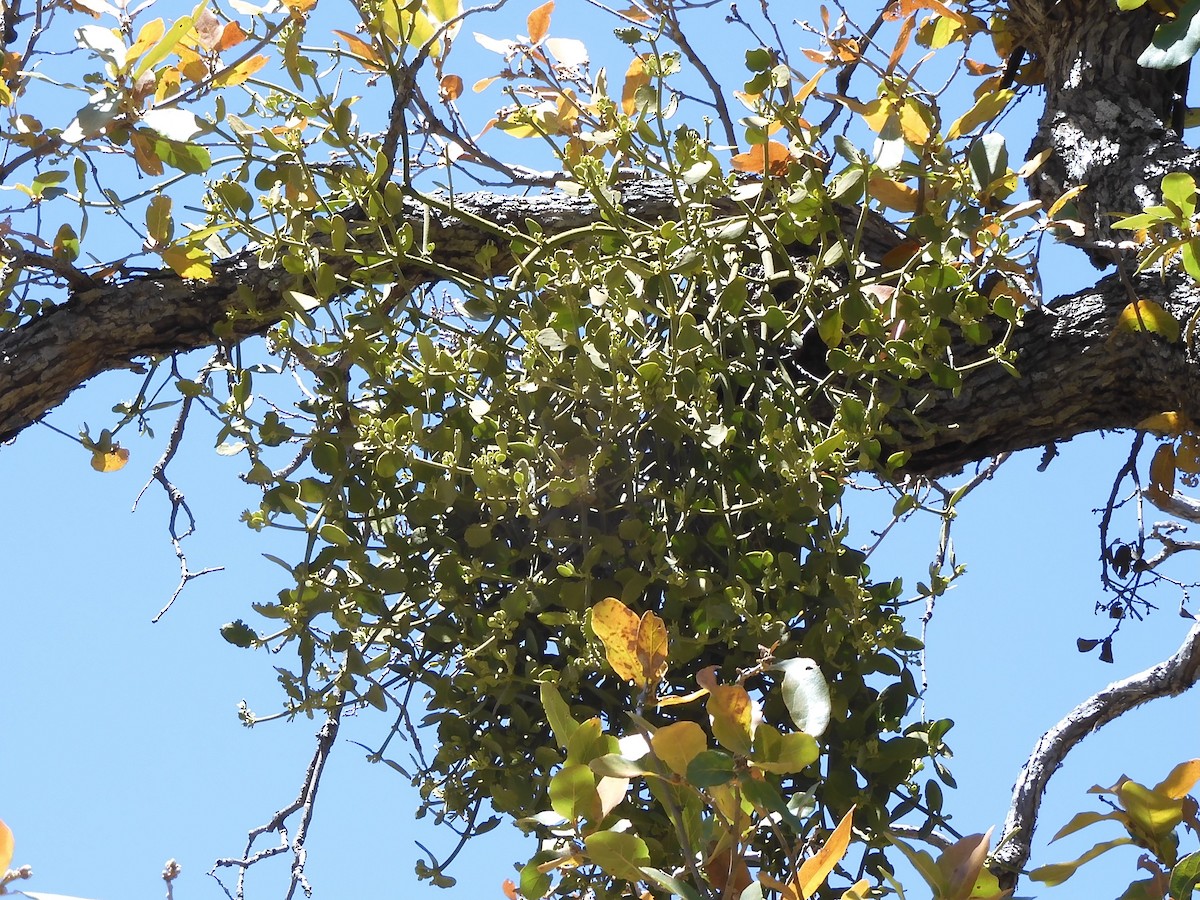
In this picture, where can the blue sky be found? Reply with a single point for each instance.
(122, 746)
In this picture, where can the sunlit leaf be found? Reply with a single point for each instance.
(678, 744)
(1175, 41)
(635, 79)
(730, 710)
(110, 460)
(617, 627)
(815, 869)
(6, 846)
(537, 23)
(1180, 780)
(985, 109)
(1146, 315)
(189, 262)
(619, 854)
(771, 158)
(1057, 873)
(242, 72)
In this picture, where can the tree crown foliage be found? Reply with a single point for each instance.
(566, 468)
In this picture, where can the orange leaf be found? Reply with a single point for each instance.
(635, 77)
(906, 31)
(728, 872)
(815, 869)
(450, 87)
(538, 22)
(617, 627)
(510, 889)
(144, 155)
(231, 36)
(894, 195)
(364, 51)
(6, 846)
(810, 85)
(771, 158)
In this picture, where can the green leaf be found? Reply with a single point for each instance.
(1057, 873)
(1176, 41)
(239, 633)
(1185, 877)
(573, 793)
(558, 714)
(1179, 190)
(620, 854)
(671, 883)
(710, 768)
(614, 765)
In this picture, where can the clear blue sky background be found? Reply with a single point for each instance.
(122, 747)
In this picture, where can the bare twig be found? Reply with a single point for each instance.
(178, 504)
(304, 803)
(1168, 678)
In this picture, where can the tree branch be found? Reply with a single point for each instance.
(1169, 678)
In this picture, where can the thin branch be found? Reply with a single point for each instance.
(178, 504)
(1168, 678)
(304, 803)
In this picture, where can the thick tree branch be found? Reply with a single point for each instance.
(1076, 376)
(1078, 373)
(1169, 678)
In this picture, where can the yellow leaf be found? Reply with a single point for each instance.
(771, 158)
(617, 627)
(635, 77)
(1166, 423)
(730, 709)
(299, 7)
(242, 71)
(109, 461)
(147, 37)
(652, 647)
(678, 744)
(189, 262)
(815, 869)
(893, 194)
(1066, 198)
(538, 22)
(1162, 470)
(985, 109)
(858, 891)
(1176, 785)
(1146, 315)
(6, 846)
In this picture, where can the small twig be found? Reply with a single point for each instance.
(178, 504)
(1168, 678)
(305, 803)
(913, 833)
